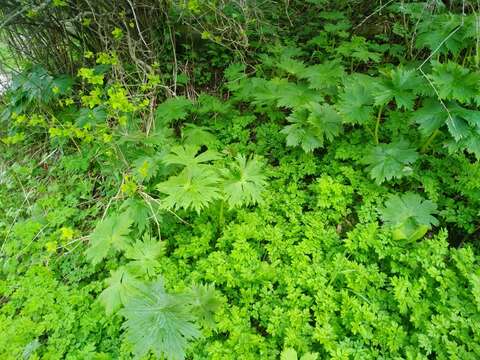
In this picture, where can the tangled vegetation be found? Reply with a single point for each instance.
(240, 180)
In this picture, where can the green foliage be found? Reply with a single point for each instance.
(159, 322)
(159, 209)
(193, 188)
(244, 182)
(356, 103)
(311, 125)
(409, 216)
(188, 157)
(200, 183)
(144, 255)
(291, 354)
(400, 85)
(121, 286)
(455, 82)
(110, 234)
(390, 161)
(172, 109)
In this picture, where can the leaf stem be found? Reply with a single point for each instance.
(427, 143)
(377, 124)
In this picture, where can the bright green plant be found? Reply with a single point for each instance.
(390, 161)
(409, 216)
(247, 215)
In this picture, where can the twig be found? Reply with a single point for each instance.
(136, 22)
(146, 197)
(373, 13)
(168, 210)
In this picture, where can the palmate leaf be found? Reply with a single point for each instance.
(469, 142)
(358, 48)
(110, 234)
(205, 303)
(172, 109)
(191, 189)
(356, 102)
(188, 156)
(323, 76)
(290, 95)
(431, 116)
(235, 72)
(159, 322)
(325, 120)
(279, 92)
(409, 216)
(144, 255)
(299, 133)
(260, 92)
(462, 124)
(388, 161)
(454, 82)
(211, 104)
(121, 286)
(197, 135)
(138, 211)
(291, 66)
(400, 85)
(311, 125)
(437, 33)
(244, 182)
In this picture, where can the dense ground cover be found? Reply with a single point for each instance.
(312, 192)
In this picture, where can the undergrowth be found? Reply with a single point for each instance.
(321, 201)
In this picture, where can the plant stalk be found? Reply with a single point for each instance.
(221, 217)
(427, 143)
(377, 124)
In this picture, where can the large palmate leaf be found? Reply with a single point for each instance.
(244, 182)
(356, 102)
(463, 124)
(110, 234)
(176, 108)
(121, 286)
(470, 141)
(323, 76)
(291, 66)
(138, 211)
(194, 189)
(409, 216)
(431, 116)
(444, 33)
(360, 49)
(189, 157)
(388, 161)
(312, 125)
(205, 303)
(159, 322)
(144, 255)
(401, 85)
(299, 132)
(454, 82)
(293, 96)
(279, 92)
(197, 135)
